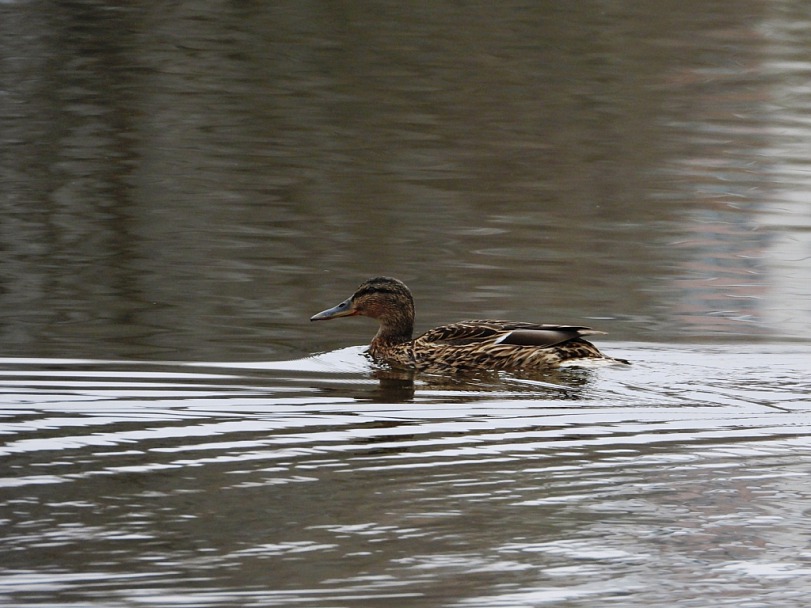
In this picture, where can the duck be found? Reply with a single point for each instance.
(466, 346)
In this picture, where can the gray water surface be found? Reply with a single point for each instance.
(683, 480)
(189, 182)
(183, 184)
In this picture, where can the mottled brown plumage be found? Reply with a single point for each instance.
(464, 346)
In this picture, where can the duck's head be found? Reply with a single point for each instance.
(383, 298)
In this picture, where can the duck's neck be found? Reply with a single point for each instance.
(393, 331)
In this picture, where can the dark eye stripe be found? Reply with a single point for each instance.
(382, 286)
(375, 291)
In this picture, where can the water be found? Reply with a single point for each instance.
(184, 185)
(315, 483)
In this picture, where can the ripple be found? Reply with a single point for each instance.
(318, 480)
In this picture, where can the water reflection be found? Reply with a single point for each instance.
(181, 182)
(398, 386)
(177, 184)
(284, 482)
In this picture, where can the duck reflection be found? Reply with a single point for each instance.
(399, 385)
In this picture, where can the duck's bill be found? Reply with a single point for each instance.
(344, 309)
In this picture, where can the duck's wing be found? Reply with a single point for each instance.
(480, 331)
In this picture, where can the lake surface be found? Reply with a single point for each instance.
(684, 480)
(185, 184)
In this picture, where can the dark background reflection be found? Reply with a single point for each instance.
(194, 180)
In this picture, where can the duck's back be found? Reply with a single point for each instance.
(496, 345)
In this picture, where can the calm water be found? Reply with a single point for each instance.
(184, 184)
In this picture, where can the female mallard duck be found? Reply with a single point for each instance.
(464, 346)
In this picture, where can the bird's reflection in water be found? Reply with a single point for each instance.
(400, 385)
(394, 386)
